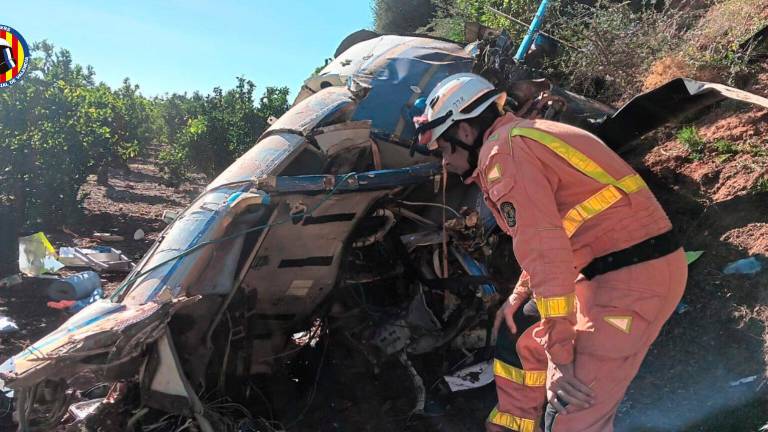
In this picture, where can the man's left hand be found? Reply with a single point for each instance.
(567, 393)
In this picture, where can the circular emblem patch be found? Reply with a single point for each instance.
(508, 211)
(14, 56)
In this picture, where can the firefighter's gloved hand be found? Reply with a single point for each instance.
(506, 313)
(565, 392)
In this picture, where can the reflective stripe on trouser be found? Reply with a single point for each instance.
(520, 373)
(598, 202)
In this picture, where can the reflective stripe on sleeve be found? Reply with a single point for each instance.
(551, 307)
(519, 376)
(510, 421)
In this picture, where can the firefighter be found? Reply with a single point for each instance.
(597, 252)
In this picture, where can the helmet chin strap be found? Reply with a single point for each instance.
(473, 151)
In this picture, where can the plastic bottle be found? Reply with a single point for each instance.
(74, 287)
(748, 266)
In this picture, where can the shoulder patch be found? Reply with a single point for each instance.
(494, 173)
(494, 136)
(508, 211)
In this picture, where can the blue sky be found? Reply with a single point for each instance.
(187, 45)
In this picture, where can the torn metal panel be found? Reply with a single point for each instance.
(331, 105)
(268, 157)
(292, 275)
(343, 136)
(665, 104)
(103, 327)
(167, 378)
(391, 73)
(207, 219)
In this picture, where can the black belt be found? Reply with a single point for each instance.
(646, 250)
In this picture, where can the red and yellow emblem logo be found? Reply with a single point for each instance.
(14, 54)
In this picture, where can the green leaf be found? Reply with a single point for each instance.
(692, 256)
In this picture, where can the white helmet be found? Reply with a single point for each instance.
(457, 97)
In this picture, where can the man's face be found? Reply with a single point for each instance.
(456, 159)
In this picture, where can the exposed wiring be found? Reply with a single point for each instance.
(300, 417)
(199, 246)
(412, 203)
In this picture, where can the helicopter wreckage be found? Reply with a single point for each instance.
(330, 226)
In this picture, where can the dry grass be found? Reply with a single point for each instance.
(713, 50)
(665, 69)
(729, 23)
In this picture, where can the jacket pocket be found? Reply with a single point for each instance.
(618, 323)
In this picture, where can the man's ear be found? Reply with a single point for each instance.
(466, 132)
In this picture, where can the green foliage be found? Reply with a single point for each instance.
(58, 127)
(401, 16)
(725, 147)
(718, 44)
(207, 133)
(761, 186)
(451, 15)
(616, 46)
(689, 137)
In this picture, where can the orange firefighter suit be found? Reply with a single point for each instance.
(568, 200)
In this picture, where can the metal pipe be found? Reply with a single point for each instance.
(520, 23)
(533, 30)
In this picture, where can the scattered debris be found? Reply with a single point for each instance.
(139, 234)
(10, 281)
(745, 380)
(7, 325)
(169, 216)
(471, 377)
(99, 258)
(75, 287)
(61, 304)
(682, 307)
(108, 237)
(37, 255)
(75, 306)
(748, 266)
(219, 295)
(79, 411)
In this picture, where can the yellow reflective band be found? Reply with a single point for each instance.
(509, 421)
(598, 202)
(631, 183)
(579, 160)
(590, 208)
(495, 173)
(520, 376)
(551, 307)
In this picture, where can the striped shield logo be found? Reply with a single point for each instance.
(14, 55)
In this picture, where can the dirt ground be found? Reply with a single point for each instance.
(134, 199)
(718, 337)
